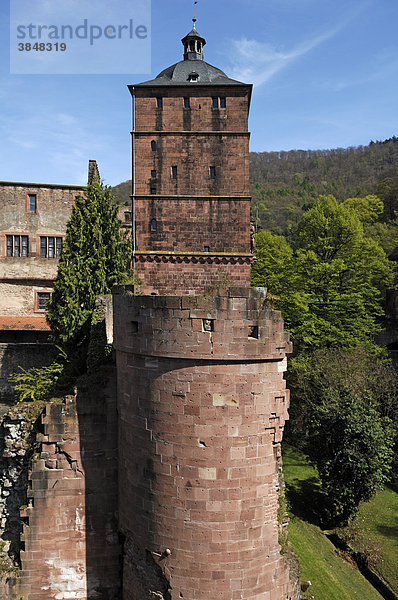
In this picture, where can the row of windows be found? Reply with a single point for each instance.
(174, 172)
(216, 102)
(18, 245)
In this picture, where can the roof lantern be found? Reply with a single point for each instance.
(193, 44)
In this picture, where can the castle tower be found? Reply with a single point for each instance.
(202, 405)
(191, 204)
(201, 396)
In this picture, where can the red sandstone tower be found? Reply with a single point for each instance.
(201, 395)
(191, 205)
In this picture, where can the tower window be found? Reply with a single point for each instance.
(208, 324)
(127, 217)
(32, 203)
(212, 172)
(159, 102)
(253, 332)
(207, 248)
(174, 172)
(153, 173)
(154, 225)
(153, 146)
(223, 102)
(215, 102)
(187, 103)
(153, 190)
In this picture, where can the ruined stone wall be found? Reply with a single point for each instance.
(18, 443)
(202, 405)
(70, 533)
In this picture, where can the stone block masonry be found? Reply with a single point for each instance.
(70, 533)
(202, 405)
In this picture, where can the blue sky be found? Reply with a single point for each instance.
(325, 75)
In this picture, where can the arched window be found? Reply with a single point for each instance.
(154, 225)
(153, 146)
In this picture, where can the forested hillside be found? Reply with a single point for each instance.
(285, 184)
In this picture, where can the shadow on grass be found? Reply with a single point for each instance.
(389, 532)
(304, 499)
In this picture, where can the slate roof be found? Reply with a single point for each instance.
(179, 73)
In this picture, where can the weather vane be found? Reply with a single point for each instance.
(194, 13)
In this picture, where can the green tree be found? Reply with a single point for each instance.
(331, 287)
(273, 262)
(95, 256)
(352, 447)
(312, 374)
(275, 269)
(344, 416)
(368, 209)
(387, 189)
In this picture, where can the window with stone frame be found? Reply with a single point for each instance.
(17, 245)
(50, 246)
(32, 203)
(41, 300)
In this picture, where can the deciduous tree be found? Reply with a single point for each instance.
(330, 288)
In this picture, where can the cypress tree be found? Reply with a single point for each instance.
(95, 256)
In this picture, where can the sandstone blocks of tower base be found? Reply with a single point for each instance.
(202, 405)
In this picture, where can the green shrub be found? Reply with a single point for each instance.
(37, 384)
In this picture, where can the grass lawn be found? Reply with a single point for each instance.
(332, 577)
(374, 533)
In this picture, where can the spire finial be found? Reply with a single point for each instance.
(194, 14)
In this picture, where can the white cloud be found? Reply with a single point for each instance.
(256, 62)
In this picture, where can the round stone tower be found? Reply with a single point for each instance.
(202, 405)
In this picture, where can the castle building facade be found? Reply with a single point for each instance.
(33, 221)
